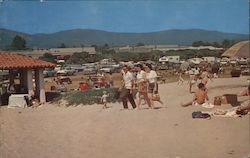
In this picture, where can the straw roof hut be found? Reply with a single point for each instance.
(239, 50)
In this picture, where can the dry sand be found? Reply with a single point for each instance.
(90, 132)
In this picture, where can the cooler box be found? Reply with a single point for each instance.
(229, 99)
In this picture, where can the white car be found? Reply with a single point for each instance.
(224, 61)
(233, 61)
(66, 72)
(243, 61)
(105, 69)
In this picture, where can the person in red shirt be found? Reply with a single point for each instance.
(83, 87)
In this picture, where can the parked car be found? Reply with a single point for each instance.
(233, 61)
(77, 68)
(63, 79)
(89, 71)
(224, 61)
(243, 61)
(66, 72)
(49, 73)
(107, 70)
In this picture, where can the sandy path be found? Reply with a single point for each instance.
(89, 131)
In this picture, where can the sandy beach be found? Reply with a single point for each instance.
(169, 131)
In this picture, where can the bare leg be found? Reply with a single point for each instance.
(104, 106)
(147, 99)
(187, 104)
(139, 101)
(182, 80)
(190, 87)
(151, 101)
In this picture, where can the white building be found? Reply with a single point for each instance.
(171, 59)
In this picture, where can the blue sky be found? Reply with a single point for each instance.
(125, 15)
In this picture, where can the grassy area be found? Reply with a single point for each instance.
(91, 97)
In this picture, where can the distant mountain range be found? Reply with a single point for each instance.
(86, 37)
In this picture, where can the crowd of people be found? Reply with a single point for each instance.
(100, 80)
(145, 81)
(201, 98)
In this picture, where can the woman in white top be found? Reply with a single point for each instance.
(152, 84)
(142, 86)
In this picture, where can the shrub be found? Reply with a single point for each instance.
(92, 96)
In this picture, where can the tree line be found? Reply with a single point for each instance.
(19, 43)
(84, 57)
(224, 44)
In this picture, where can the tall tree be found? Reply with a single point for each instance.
(18, 43)
(226, 43)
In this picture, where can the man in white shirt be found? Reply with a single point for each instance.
(128, 84)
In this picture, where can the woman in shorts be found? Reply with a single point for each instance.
(152, 84)
(142, 86)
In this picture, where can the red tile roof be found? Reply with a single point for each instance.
(9, 60)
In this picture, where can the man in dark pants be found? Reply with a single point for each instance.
(128, 84)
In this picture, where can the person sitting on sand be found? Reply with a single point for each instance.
(244, 108)
(104, 99)
(200, 96)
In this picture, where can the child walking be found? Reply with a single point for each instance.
(104, 99)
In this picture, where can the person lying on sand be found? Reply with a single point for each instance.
(244, 108)
(200, 96)
(245, 92)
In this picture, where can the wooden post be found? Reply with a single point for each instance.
(37, 90)
(29, 82)
(40, 86)
(12, 77)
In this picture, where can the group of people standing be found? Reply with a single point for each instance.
(145, 81)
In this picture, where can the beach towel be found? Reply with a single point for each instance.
(207, 105)
(224, 113)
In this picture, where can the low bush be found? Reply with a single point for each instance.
(92, 96)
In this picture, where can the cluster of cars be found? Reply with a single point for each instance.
(236, 61)
(85, 69)
(110, 66)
